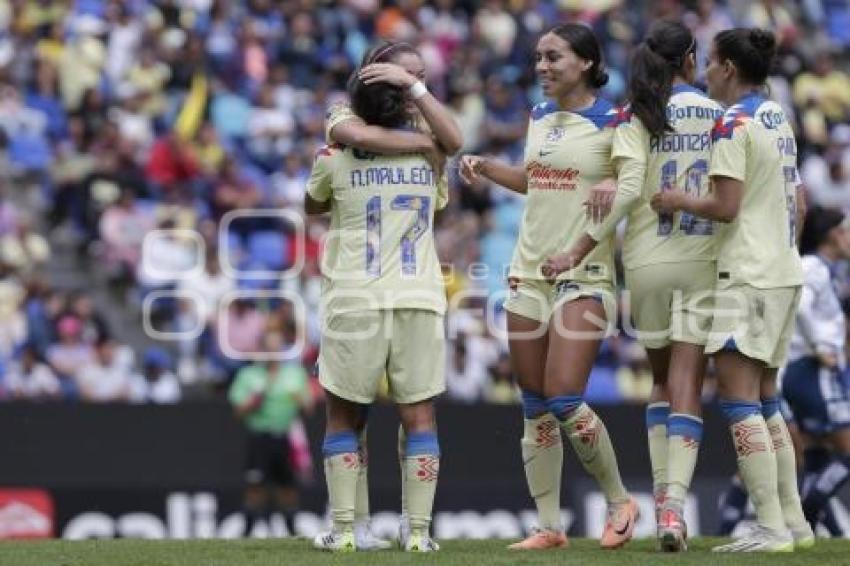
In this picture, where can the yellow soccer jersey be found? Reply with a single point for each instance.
(380, 251)
(678, 159)
(754, 144)
(338, 112)
(566, 154)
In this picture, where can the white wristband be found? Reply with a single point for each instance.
(417, 90)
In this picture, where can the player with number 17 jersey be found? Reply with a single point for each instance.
(380, 251)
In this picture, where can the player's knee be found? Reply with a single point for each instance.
(422, 444)
(342, 415)
(533, 405)
(418, 417)
(341, 422)
(736, 411)
(659, 393)
(563, 406)
(339, 443)
(556, 386)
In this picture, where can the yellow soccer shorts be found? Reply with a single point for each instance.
(537, 299)
(755, 322)
(670, 302)
(406, 345)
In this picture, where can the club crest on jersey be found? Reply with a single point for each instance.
(556, 134)
(772, 120)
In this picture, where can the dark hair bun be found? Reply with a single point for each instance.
(763, 40)
(599, 79)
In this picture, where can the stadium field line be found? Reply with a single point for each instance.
(284, 552)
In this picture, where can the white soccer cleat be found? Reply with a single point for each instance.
(335, 541)
(803, 537)
(760, 539)
(366, 540)
(420, 543)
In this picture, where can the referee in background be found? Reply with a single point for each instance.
(267, 397)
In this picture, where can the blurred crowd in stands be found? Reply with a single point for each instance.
(118, 118)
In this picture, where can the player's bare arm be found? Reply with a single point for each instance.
(474, 167)
(601, 200)
(442, 124)
(356, 133)
(565, 261)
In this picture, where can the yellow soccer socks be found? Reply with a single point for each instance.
(342, 468)
(543, 459)
(786, 465)
(756, 460)
(684, 434)
(656, 434)
(421, 470)
(592, 445)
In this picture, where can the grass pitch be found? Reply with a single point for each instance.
(284, 552)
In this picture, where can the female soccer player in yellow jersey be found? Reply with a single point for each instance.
(555, 329)
(665, 142)
(383, 303)
(435, 134)
(757, 195)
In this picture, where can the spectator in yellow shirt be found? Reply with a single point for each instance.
(824, 89)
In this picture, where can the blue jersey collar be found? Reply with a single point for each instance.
(683, 87)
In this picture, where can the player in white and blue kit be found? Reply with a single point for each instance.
(812, 384)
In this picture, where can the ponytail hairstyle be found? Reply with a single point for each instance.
(657, 61)
(380, 104)
(585, 45)
(751, 50)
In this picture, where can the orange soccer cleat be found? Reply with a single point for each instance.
(541, 539)
(620, 524)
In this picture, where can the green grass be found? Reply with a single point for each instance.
(299, 551)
